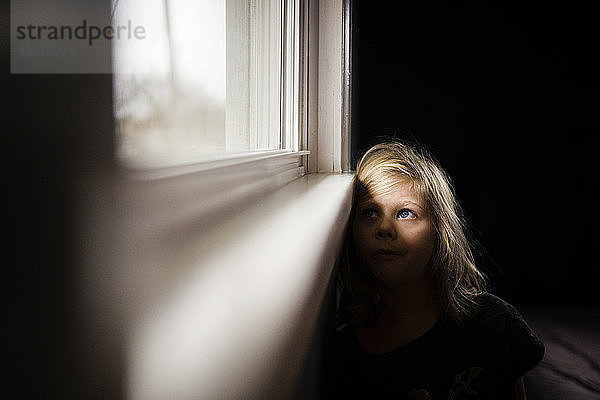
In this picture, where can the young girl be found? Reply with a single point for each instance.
(418, 323)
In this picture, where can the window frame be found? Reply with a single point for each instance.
(315, 119)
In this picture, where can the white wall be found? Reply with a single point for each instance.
(222, 305)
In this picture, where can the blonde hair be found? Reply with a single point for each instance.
(454, 277)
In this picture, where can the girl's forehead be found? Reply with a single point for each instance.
(394, 187)
(398, 192)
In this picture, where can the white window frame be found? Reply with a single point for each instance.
(315, 104)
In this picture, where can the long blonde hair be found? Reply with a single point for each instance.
(453, 275)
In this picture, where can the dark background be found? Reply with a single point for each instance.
(506, 97)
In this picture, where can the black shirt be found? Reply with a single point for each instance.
(479, 360)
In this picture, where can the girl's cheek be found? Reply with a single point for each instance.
(360, 238)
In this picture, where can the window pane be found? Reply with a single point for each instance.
(205, 79)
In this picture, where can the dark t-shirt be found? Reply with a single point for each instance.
(478, 360)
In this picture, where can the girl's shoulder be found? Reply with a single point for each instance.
(491, 307)
(498, 321)
(490, 304)
(493, 312)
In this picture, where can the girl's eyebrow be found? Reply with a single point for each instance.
(371, 203)
(413, 203)
(368, 203)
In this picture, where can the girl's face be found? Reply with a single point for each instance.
(394, 237)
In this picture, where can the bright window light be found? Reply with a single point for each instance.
(205, 80)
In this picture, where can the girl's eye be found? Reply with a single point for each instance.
(370, 213)
(406, 214)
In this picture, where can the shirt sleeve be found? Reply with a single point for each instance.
(527, 350)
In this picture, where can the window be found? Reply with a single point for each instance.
(206, 78)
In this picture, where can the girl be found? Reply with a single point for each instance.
(418, 323)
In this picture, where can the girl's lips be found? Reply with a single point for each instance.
(386, 252)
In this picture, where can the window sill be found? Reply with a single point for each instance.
(150, 170)
(167, 198)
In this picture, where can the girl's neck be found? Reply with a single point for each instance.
(411, 304)
(403, 316)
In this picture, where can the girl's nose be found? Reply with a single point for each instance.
(386, 230)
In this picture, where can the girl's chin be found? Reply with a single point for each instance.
(396, 275)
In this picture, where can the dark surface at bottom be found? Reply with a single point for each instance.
(570, 368)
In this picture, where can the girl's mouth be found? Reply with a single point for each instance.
(387, 252)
